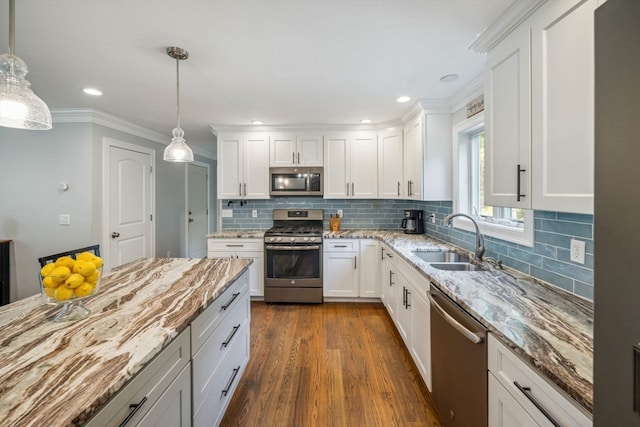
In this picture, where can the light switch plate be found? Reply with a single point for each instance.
(227, 213)
(65, 219)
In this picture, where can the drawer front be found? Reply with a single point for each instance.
(212, 353)
(205, 324)
(341, 245)
(234, 245)
(511, 371)
(148, 385)
(218, 393)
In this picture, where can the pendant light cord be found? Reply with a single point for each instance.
(12, 30)
(178, 89)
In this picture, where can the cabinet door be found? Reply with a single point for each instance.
(309, 151)
(364, 166)
(438, 164)
(282, 150)
(341, 274)
(390, 149)
(173, 408)
(504, 411)
(404, 299)
(413, 140)
(391, 278)
(370, 271)
(229, 167)
(256, 167)
(335, 167)
(256, 272)
(421, 334)
(507, 122)
(562, 99)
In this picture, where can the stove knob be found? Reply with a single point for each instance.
(271, 239)
(293, 239)
(278, 239)
(306, 239)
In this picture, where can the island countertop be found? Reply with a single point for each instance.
(60, 374)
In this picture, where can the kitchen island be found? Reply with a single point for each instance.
(61, 374)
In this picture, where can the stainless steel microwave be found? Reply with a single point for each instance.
(296, 181)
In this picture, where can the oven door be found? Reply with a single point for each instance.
(293, 265)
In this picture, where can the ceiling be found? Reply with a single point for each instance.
(287, 62)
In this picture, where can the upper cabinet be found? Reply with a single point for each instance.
(243, 170)
(539, 107)
(390, 164)
(295, 150)
(350, 165)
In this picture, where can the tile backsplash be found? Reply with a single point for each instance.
(548, 259)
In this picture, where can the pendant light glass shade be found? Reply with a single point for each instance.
(19, 106)
(178, 150)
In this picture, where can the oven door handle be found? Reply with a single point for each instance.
(453, 322)
(293, 248)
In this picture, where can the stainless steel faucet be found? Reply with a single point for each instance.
(479, 238)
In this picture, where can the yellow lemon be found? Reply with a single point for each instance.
(97, 261)
(93, 278)
(62, 293)
(49, 292)
(49, 283)
(85, 256)
(83, 290)
(60, 274)
(47, 269)
(65, 261)
(74, 280)
(86, 268)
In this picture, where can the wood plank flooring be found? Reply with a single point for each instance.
(333, 364)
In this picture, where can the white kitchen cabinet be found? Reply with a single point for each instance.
(562, 106)
(390, 164)
(413, 158)
(242, 248)
(516, 379)
(350, 166)
(243, 166)
(507, 122)
(295, 150)
(369, 269)
(420, 343)
(341, 276)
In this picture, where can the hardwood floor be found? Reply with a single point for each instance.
(333, 364)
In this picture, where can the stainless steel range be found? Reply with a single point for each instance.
(293, 256)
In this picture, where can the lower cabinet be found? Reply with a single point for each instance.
(341, 276)
(369, 273)
(242, 248)
(173, 408)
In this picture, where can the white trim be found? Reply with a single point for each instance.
(186, 200)
(467, 93)
(106, 208)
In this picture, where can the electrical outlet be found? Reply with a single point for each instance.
(254, 213)
(577, 251)
(340, 213)
(227, 213)
(432, 218)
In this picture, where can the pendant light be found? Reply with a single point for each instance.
(178, 150)
(19, 106)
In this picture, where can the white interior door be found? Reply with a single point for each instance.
(198, 210)
(130, 205)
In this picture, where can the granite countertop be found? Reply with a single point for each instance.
(550, 328)
(237, 234)
(67, 371)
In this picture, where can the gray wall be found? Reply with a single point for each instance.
(33, 163)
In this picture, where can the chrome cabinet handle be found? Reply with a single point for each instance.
(453, 322)
(135, 407)
(230, 337)
(519, 172)
(230, 383)
(527, 392)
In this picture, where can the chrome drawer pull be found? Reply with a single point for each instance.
(527, 392)
(135, 407)
(233, 298)
(230, 337)
(230, 383)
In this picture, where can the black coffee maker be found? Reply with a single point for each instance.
(413, 221)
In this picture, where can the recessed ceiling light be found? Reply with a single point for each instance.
(257, 122)
(364, 121)
(403, 99)
(92, 91)
(449, 78)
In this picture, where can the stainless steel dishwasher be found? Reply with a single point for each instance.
(459, 363)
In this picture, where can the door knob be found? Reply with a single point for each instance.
(115, 235)
(190, 219)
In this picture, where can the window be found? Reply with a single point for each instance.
(511, 224)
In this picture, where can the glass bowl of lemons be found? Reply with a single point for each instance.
(68, 281)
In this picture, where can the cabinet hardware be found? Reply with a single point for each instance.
(353, 191)
(404, 297)
(520, 170)
(339, 246)
(407, 305)
(391, 278)
(135, 407)
(230, 383)
(298, 157)
(245, 189)
(347, 189)
(228, 304)
(240, 190)
(230, 337)
(527, 392)
(190, 219)
(355, 262)
(382, 251)
(398, 188)
(234, 246)
(115, 235)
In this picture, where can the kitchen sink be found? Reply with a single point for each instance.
(441, 256)
(455, 266)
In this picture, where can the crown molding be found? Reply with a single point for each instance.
(88, 115)
(510, 19)
(427, 106)
(302, 128)
(468, 92)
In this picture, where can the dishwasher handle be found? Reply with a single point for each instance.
(474, 338)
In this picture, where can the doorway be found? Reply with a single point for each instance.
(197, 204)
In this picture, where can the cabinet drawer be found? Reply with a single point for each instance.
(234, 245)
(510, 370)
(216, 348)
(225, 379)
(148, 385)
(341, 245)
(204, 325)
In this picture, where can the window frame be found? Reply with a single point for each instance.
(462, 188)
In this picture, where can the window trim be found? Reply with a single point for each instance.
(510, 234)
